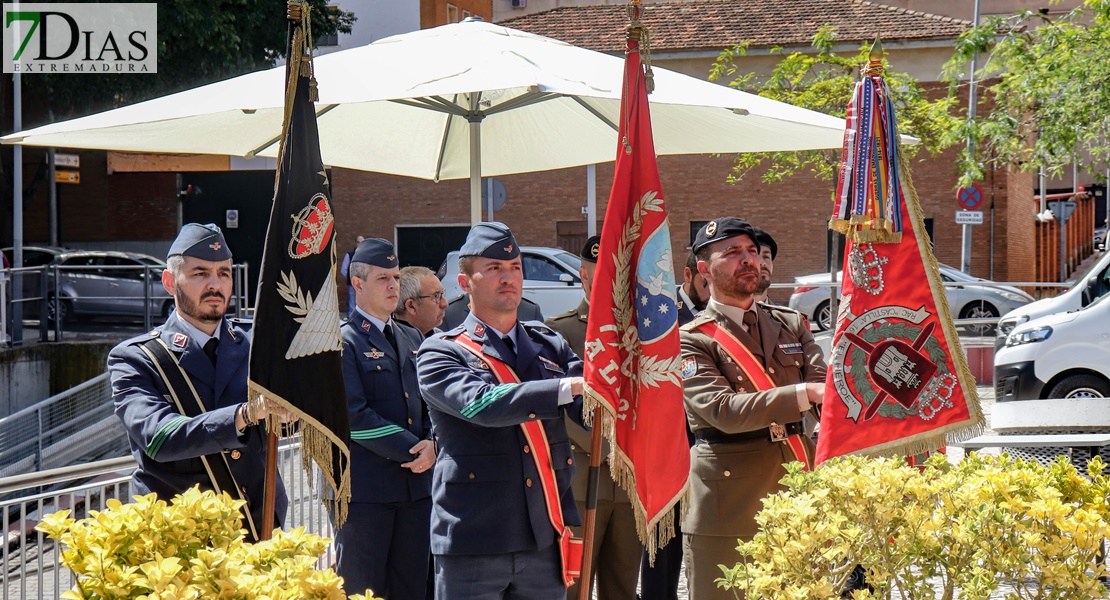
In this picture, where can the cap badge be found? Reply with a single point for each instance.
(391, 257)
(179, 340)
(509, 248)
(214, 246)
(711, 229)
(479, 329)
(595, 250)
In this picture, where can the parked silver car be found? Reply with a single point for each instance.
(550, 278)
(95, 283)
(966, 298)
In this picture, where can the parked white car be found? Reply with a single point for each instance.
(1063, 355)
(1089, 286)
(550, 278)
(966, 297)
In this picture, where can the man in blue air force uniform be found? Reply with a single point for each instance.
(383, 545)
(491, 533)
(221, 445)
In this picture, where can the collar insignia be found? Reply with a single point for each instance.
(366, 325)
(179, 340)
(374, 353)
(479, 329)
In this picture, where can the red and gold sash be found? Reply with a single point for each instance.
(753, 368)
(570, 547)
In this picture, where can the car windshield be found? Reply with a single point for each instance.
(569, 260)
(1098, 264)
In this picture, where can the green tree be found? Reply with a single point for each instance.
(198, 43)
(1047, 92)
(824, 81)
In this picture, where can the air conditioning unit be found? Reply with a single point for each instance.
(519, 3)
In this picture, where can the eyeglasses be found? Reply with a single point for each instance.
(436, 297)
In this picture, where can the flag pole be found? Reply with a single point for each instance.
(591, 507)
(269, 497)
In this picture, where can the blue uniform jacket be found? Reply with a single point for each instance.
(486, 495)
(387, 415)
(168, 445)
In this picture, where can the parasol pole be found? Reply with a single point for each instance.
(474, 117)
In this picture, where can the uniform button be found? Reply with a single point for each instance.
(573, 447)
(472, 475)
(570, 461)
(531, 415)
(235, 455)
(410, 421)
(379, 367)
(770, 370)
(528, 482)
(739, 378)
(728, 473)
(797, 363)
(527, 450)
(406, 394)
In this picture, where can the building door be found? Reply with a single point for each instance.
(428, 245)
(572, 235)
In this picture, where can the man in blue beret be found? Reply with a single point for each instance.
(497, 390)
(181, 390)
(383, 546)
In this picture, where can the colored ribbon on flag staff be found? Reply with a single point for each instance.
(632, 350)
(295, 360)
(898, 380)
(869, 190)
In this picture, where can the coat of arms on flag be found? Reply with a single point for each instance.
(898, 380)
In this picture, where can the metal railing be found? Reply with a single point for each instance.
(32, 562)
(44, 293)
(77, 425)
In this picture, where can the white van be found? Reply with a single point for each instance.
(550, 278)
(1088, 287)
(1065, 355)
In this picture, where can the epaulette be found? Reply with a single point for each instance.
(781, 308)
(524, 299)
(698, 320)
(572, 313)
(150, 335)
(457, 298)
(451, 333)
(539, 325)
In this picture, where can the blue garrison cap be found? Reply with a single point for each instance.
(205, 242)
(377, 252)
(722, 229)
(490, 240)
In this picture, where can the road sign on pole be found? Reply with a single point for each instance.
(970, 197)
(969, 217)
(1062, 209)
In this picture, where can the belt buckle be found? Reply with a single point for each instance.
(778, 433)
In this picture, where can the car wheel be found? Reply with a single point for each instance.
(167, 308)
(64, 309)
(1081, 386)
(823, 316)
(980, 310)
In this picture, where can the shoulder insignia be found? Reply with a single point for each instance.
(477, 364)
(689, 367)
(179, 340)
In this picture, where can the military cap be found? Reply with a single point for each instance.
(591, 250)
(375, 251)
(766, 241)
(205, 242)
(490, 240)
(722, 229)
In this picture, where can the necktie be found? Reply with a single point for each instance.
(389, 337)
(753, 326)
(511, 346)
(210, 349)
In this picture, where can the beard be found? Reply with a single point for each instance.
(764, 283)
(205, 314)
(733, 284)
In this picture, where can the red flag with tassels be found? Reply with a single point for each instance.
(632, 350)
(898, 380)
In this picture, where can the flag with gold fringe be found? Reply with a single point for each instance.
(295, 357)
(898, 380)
(632, 349)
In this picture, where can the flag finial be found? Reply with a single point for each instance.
(876, 49)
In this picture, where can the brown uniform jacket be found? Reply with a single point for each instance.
(728, 479)
(572, 326)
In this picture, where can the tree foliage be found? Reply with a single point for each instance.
(1048, 89)
(824, 81)
(198, 43)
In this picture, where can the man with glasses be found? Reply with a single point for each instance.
(421, 302)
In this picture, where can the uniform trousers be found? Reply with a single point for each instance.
(660, 581)
(531, 575)
(615, 565)
(702, 555)
(384, 547)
